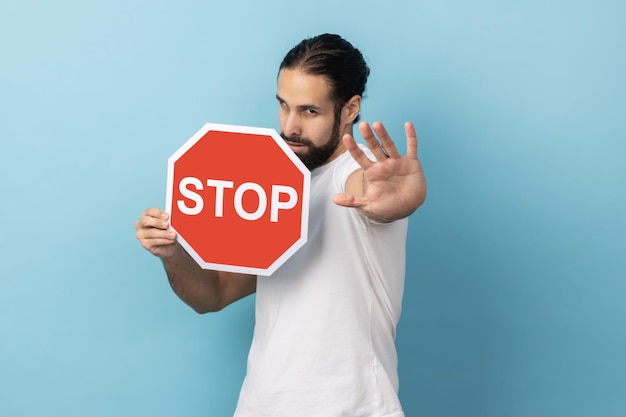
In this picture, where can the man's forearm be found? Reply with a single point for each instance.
(197, 287)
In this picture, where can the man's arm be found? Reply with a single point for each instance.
(389, 188)
(203, 290)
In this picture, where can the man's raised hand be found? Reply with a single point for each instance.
(390, 187)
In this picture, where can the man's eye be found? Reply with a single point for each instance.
(311, 111)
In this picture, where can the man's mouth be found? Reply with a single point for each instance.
(296, 146)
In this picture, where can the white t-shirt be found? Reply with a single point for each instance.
(323, 342)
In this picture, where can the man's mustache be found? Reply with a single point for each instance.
(296, 139)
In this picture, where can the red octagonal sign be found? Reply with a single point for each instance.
(238, 199)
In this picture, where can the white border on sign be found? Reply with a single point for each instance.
(304, 225)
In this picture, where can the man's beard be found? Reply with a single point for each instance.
(316, 156)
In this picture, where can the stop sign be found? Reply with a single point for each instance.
(238, 199)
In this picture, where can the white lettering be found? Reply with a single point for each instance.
(250, 186)
(219, 194)
(276, 204)
(187, 193)
(188, 184)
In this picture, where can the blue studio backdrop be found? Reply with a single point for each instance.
(514, 300)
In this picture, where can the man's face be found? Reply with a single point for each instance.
(309, 122)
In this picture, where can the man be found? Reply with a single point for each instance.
(323, 341)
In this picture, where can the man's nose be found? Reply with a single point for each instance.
(292, 125)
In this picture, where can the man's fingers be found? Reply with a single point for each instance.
(153, 229)
(153, 218)
(155, 212)
(387, 144)
(154, 233)
(155, 243)
(383, 149)
(145, 234)
(357, 154)
(371, 141)
(347, 200)
(411, 140)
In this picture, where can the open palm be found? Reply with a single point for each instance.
(391, 187)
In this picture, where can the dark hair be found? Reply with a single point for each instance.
(335, 59)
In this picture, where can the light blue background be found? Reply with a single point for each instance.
(515, 298)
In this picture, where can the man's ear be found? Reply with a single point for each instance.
(351, 109)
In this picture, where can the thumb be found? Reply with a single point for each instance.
(347, 200)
